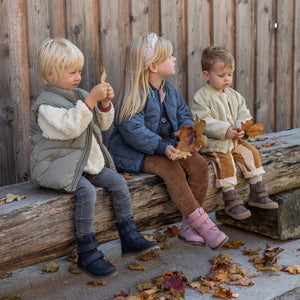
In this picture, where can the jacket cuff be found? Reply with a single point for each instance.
(161, 148)
(87, 106)
(102, 109)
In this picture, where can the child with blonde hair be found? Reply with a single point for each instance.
(149, 110)
(223, 110)
(68, 153)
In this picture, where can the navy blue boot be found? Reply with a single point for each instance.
(90, 259)
(132, 242)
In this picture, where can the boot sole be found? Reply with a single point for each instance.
(100, 276)
(141, 252)
(264, 206)
(239, 217)
(191, 242)
(221, 244)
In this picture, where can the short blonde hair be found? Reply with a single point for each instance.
(214, 54)
(135, 85)
(54, 56)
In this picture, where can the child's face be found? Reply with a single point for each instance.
(167, 68)
(219, 76)
(70, 79)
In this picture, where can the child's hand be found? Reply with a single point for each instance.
(98, 93)
(231, 133)
(170, 149)
(240, 134)
(109, 96)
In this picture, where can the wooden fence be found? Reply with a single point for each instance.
(263, 35)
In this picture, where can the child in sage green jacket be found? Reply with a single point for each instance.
(68, 153)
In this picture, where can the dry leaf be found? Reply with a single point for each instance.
(222, 292)
(293, 269)
(73, 257)
(74, 269)
(234, 244)
(127, 175)
(144, 285)
(248, 251)
(50, 267)
(182, 154)
(5, 275)
(97, 282)
(190, 139)
(199, 126)
(172, 231)
(103, 75)
(12, 197)
(137, 266)
(148, 256)
(270, 144)
(252, 130)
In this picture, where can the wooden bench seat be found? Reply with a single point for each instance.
(40, 227)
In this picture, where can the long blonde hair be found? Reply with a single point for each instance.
(135, 86)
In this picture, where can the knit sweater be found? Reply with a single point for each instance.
(209, 106)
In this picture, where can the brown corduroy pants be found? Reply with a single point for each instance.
(186, 179)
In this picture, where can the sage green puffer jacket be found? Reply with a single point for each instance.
(58, 164)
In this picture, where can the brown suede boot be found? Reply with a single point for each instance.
(234, 206)
(260, 198)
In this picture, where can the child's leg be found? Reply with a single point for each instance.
(132, 242)
(196, 168)
(197, 226)
(249, 161)
(225, 173)
(175, 180)
(117, 186)
(84, 210)
(90, 258)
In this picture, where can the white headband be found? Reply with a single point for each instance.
(151, 41)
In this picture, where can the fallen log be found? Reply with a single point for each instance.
(40, 227)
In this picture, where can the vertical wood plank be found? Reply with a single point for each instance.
(168, 16)
(57, 18)
(7, 161)
(198, 38)
(244, 54)
(154, 16)
(139, 18)
(19, 85)
(114, 37)
(82, 30)
(284, 67)
(296, 82)
(38, 31)
(222, 24)
(265, 61)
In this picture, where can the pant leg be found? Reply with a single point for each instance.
(224, 167)
(84, 210)
(248, 159)
(196, 168)
(175, 180)
(117, 186)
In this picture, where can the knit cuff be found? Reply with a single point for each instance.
(87, 106)
(102, 109)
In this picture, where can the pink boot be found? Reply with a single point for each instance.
(201, 222)
(189, 234)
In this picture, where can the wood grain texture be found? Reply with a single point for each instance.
(265, 66)
(41, 227)
(282, 223)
